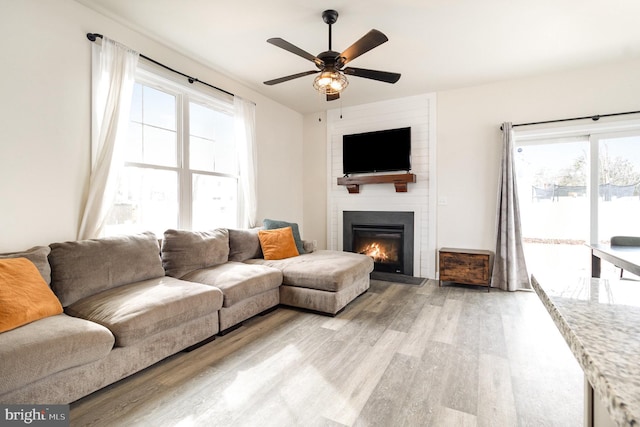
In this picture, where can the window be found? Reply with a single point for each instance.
(181, 163)
(575, 186)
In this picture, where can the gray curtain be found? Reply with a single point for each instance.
(509, 268)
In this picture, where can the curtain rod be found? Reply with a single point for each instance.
(594, 118)
(93, 36)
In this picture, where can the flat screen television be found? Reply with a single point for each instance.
(380, 151)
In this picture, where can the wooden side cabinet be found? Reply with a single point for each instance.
(466, 266)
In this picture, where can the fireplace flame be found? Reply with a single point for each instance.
(375, 251)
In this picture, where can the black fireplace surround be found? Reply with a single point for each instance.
(393, 227)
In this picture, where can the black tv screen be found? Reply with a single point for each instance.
(381, 151)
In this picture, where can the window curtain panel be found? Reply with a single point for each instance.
(113, 78)
(245, 132)
(509, 268)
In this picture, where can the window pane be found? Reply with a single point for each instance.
(159, 108)
(159, 147)
(214, 202)
(136, 104)
(152, 136)
(202, 121)
(133, 151)
(619, 188)
(226, 155)
(226, 158)
(202, 154)
(211, 142)
(147, 200)
(554, 205)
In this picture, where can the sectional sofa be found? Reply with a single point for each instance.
(131, 301)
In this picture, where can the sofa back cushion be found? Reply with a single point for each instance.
(38, 256)
(244, 244)
(83, 268)
(186, 251)
(272, 224)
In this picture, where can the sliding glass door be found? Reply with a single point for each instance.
(573, 190)
(554, 203)
(618, 187)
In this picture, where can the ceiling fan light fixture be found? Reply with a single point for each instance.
(332, 78)
(330, 82)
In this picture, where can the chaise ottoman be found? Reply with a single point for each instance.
(323, 281)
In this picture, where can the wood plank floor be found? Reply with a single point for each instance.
(400, 355)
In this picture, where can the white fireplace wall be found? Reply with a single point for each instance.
(418, 112)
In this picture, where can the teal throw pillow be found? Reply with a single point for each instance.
(270, 224)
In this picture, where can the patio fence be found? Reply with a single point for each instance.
(606, 191)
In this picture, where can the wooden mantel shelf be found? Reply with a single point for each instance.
(400, 181)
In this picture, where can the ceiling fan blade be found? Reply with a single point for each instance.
(291, 77)
(383, 76)
(333, 97)
(283, 44)
(367, 42)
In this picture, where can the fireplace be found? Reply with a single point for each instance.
(383, 244)
(387, 237)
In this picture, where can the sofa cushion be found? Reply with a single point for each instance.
(238, 281)
(310, 246)
(278, 243)
(50, 345)
(24, 295)
(38, 256)
(185, 251)
(137, 311)
(271, 224)
(244, 244)
(83, 268)
(324, 269)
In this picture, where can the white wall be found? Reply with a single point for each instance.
(314, 179)
(280, 168)
(469, 139)
(45, 121)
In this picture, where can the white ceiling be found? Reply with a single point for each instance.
(435, 44)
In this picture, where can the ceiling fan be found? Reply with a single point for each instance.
(332, 79)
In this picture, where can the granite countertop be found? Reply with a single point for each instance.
(600, 320)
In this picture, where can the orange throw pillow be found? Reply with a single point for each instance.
(277, 243)
(24, 295)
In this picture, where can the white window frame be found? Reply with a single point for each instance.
(148, 75)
